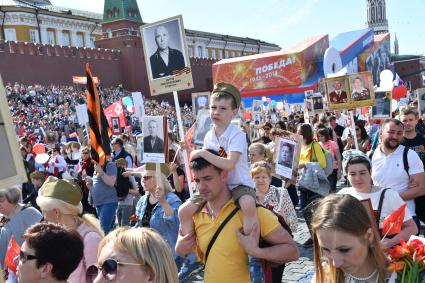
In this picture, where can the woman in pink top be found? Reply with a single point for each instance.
(332, 147)
(60, 202)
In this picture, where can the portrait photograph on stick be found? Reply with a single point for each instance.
(361, 90)
(337, 92)
(203, 125)
(167, 64)
(420, 93)
(155, 139)
(382, 107)
(257, 106)
(12, 169)
(115, 122)
(200, 101)
(287, 155)
(318, 105)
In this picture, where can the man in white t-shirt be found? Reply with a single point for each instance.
(388, 168)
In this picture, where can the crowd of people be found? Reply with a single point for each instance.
(238, 224)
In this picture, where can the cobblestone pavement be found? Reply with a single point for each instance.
(294, 270)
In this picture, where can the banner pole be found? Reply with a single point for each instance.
(353, 129)
(181, 134)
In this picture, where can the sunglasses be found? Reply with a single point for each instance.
(145, 178)
(24, 257)
(109, 269)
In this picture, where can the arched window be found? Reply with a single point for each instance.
(109, 13)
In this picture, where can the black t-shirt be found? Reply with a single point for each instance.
(148, 214)
(417, 144)
(183, 195)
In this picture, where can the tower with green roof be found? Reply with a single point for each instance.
(121, 17)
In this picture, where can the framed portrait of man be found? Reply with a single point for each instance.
(166, 56)
(12, 170)
(361, 90)
(115, 122)
(155, 139)
(420, 93)
(382, 107)
(200, 101)
(318, 104)
(203, 125)
(337, 92)
(257, 106)
(287, 154)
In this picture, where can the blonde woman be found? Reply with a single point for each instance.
(259, 152)
(60, 202)
(134, 255)
(345, 238)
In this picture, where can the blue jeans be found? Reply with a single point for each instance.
(256, 273)
(106, 213)
(124, 214)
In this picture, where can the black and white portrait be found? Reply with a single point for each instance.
(115, 121)
(153, 141)
(421, 101)
(165, 48)
(317, 103)
(286, 155)
(200, 101)
(203, 125)
(382, 108)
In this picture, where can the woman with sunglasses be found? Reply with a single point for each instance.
(362, 139)
(60, 202)
(358, 170)
(134, 255)
(158, 208)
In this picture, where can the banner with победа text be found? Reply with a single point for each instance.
(274, 70)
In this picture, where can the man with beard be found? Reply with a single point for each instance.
(388, 170)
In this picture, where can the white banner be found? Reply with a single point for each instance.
(82, 116)
(138, 104)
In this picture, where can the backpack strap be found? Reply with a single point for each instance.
(217, 233)
(406, 161)
(381, 201)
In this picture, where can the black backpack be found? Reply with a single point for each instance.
(123, 184)
(419, 201)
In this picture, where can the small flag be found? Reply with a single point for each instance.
(392, 223)
(13, 250)
(99, 131)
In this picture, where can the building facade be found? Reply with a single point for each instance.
(377, 16)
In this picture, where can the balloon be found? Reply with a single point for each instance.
(279, 105)
(264, 99)
(273, 103)
(385, 76)
(39, 148)
(399, 92)
(127, 101)
(130, 108)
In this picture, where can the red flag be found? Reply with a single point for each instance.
(392, 223)
(99, 131)
(188, 140)
(116, 110)
(13, 250)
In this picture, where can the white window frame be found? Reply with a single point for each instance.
(51, 37)
(10, 34)
(34, 36)
(92, 40)
(199, 51)
(213, 54)
(79, 40)
(66, 38)
(190, 51)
